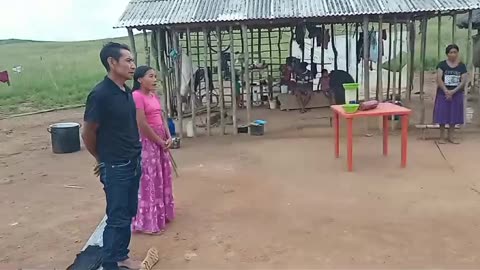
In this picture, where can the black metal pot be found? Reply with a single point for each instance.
(65, 137)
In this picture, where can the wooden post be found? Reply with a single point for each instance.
(259, 48)
(380, 60)
(389, 75)
(395, 43)
(356, 54)
(270, 49)
(334, 48)
(347, 49)
(193, 96)
(401, 63)
(470, 65)
(154, 49)
(198, 50)
(454, 27)
(247, 74)
(366, 58)
(279, 45)
(178, 81)
(411, 68)
(322, 54)
(411, 57)
(291, 41)
(422, 71)
(131, 37)
(163, 71)
(147, 48)
(220, 80)
(166, 47)
(233, 81)
(207, 79)
(439, 38)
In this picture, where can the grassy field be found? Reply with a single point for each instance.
(58, 74)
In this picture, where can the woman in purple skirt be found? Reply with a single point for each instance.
(451, 80)
(155, 199)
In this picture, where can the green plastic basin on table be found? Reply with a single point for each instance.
(351, 86)
(350, 108)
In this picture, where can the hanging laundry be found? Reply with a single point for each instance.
(323, 38)
(313, 30)
(372, 38)
(300, 36)
(4, 77)
(359, 47)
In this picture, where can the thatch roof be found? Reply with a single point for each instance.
(462, 20)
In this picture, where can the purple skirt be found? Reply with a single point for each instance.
(155, 199)
(448, 111)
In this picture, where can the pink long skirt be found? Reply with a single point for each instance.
(155, 198)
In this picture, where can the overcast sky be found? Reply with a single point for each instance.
(60, 20)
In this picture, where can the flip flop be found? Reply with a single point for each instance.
(151, 259)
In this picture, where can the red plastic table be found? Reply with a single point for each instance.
(385, 110)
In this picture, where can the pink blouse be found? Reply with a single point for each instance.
(151, 106)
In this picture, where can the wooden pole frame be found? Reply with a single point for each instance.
(356, 54)
(422, 71)
(334, 47)
(163, 71)
(247, 75)
(322, 54)
(380, 60)
(347, 49)
(469, 63)
(233, 81)
(454, 27)
(147, 48)
(401, 63)
(389, 75)
(395, 43)
(439, 39)
(220, 80)
(131, 37)
(207, 79)
(366, 59)
(411, 68)
(193, 96)
(178, 82)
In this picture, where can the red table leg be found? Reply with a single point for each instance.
(350, 144)
(337, 135)
(404, 140)
(385, 135)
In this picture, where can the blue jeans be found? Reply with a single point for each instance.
(120, 182)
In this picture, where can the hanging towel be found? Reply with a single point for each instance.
(372, 37)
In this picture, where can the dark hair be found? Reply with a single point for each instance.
(451, 47)
(111, 49)
(139, 73)
(324, 71)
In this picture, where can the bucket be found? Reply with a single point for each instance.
(65, 137)
(176, 142)
(273, 104)
(189, 128)
(257, 129)
(351, 92)
(469, 115)
(171, 127)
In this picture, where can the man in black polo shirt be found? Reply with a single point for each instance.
(110, 134)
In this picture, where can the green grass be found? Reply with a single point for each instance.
(74, 68)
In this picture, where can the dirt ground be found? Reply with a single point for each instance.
(277, 201)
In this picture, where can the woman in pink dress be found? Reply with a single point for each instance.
(155, 201)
